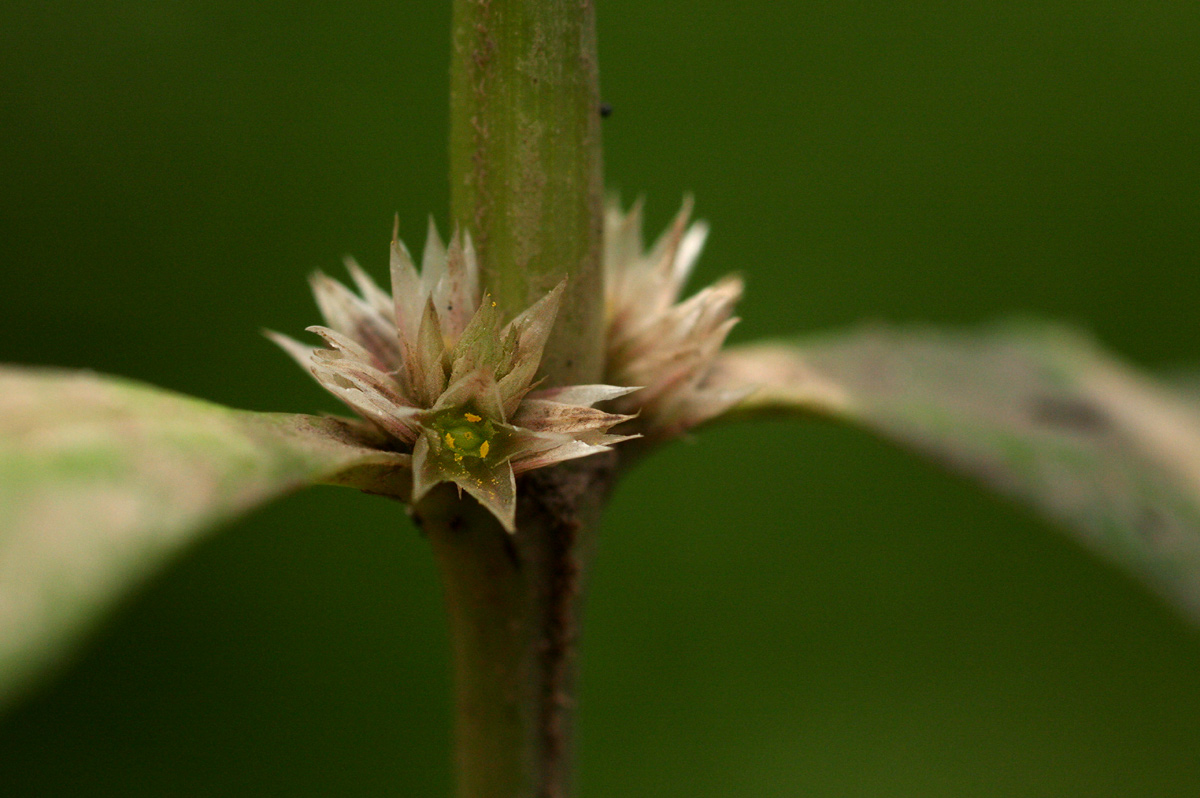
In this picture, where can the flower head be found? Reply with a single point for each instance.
(655, 340)
(436, 367)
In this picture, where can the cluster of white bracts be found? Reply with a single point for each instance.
(434, 366)
(656, 341)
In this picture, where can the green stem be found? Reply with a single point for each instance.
(525, 165)
(526, 183)
(513, 603)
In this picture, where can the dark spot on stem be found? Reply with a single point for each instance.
(605, 110)
(1076, 415)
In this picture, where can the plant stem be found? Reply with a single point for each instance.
(525, 165)
(513, 604)
(526, 183)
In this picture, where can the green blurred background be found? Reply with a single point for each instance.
(859, 624)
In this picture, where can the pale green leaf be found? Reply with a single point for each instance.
(1037, 413)
(103, 479)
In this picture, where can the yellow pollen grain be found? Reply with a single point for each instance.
(449, 440)
(458, 459)
(483, 450)
(473, 418)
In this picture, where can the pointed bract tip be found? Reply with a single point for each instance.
(299, 352)
(431, 232)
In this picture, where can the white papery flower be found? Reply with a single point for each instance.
(435, 367)
(655, 340)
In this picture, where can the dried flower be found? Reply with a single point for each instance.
(654, 340)
(435, 367)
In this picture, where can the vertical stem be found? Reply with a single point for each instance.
(526, 183)
(525, 163)
(513, 604)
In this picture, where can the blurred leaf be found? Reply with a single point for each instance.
(1186, 381)
(102, 480)
(1038, 413)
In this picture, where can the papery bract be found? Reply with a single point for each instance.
(435, 367)
(656, 341)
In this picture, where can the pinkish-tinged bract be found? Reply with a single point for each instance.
(666, 346)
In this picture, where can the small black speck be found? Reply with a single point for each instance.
(570, 362)
(605, 110)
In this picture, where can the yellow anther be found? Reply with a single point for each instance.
(493, 304)
(465, 434)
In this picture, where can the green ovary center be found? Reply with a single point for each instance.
(465, 434)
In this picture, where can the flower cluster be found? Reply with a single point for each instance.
(435, 366)
(665, 345)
